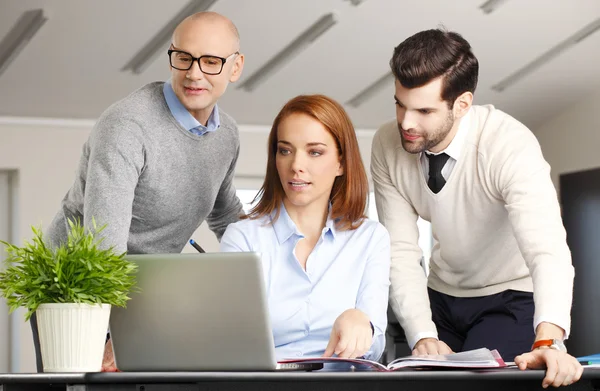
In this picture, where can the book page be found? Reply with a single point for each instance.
(478, 358)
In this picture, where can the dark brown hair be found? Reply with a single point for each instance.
(349, 193)
(430, 54)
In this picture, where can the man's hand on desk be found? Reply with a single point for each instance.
(562, 368)
(430, 346)
(351, 335)
(108, 362)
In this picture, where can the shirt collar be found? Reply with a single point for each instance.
(455, 148)
(185, 118)
(284, 225)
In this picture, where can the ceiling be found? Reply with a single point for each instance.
(72, 67)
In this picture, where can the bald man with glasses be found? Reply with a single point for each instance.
(161, 161)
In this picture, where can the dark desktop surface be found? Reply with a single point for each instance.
(489, 380)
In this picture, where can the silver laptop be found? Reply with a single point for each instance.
(195, 312)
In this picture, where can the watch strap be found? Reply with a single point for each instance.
(542, 342)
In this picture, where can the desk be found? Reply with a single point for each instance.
(491, 380)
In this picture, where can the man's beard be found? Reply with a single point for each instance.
(430, 140)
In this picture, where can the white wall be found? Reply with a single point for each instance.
(10, 325)
(4, 235)
(571, 140)
(45, 158)
(46, 153)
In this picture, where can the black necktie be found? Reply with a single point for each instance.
(436, 163)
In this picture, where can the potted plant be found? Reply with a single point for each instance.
(71, 288)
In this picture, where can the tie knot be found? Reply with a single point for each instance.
(436, 180)
(437, 162)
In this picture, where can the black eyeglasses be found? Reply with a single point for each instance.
(210, 65)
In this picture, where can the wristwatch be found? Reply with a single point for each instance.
(551, 343)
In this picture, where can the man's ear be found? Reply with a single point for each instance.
(462, 104)
(238, 67)
(169, 62)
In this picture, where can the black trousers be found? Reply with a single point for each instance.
(503, 321)
(36, 343)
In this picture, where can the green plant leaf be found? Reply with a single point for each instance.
(77, 271)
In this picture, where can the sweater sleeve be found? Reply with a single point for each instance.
(521, 177)
(228, 207)
(116, 160)
(408, 292)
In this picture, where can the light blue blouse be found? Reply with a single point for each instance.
(346, 269)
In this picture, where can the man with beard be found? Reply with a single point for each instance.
(161, 161)
(500, 274)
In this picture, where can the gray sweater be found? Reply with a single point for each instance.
(150, 180)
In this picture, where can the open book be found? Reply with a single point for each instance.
(472, 359)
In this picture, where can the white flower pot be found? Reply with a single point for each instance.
(72, 336)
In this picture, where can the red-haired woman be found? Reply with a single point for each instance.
(326, 266)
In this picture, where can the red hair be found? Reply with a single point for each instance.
(349, 193)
